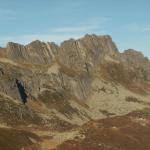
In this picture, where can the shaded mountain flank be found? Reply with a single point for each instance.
(68, 88)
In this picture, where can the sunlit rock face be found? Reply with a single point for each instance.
(74, 64)
(137, 61)
(36, 52)
(75, 80)
(87, 52)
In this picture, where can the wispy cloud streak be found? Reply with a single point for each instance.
(136, 27)
(92, 25)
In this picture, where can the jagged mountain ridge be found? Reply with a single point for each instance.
(68, 85)
(78, 80)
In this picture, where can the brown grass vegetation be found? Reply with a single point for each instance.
(13, 139)
(117, 133)
(2, 52)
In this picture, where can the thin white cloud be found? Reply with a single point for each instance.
(135, 27)
(71, 29)
(92, 25)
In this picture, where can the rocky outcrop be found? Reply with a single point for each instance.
(77, 54)
(78, 61)
(86, 53)
(36, 52)
(138, 62)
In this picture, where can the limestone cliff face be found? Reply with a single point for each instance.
(77, 61)
(77, 54)
(140, 63)
(36, 52)
(86, 53)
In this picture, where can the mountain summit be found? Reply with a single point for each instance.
(71, 84)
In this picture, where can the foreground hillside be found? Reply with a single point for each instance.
(67, 88)
(118, 133)
(127, 132)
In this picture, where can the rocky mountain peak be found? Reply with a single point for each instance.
(36, 42)
(135, 58)
(81, 55)
(133, 53)
(36, 52)
(15, 51)
(89, 50)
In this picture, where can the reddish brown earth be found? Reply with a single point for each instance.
(13, 139)
(2, 52)
(130, 132)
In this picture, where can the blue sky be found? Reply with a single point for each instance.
(127, 21)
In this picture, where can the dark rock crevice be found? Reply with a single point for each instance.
(21, 91)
